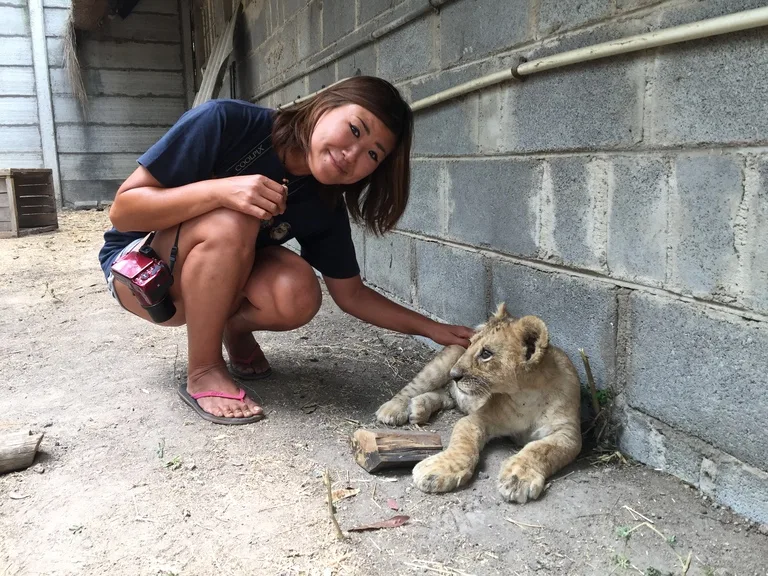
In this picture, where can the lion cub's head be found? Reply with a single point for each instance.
(501, 354)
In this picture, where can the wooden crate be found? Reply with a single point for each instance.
(27, 202)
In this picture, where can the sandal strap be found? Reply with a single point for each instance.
(247, 361)
(217, 394)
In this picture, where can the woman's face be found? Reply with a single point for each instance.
(348, 144)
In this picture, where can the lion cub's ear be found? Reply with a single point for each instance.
(535, 337)
(501, 312)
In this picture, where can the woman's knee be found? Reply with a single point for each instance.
(294, 291)
(228, 230)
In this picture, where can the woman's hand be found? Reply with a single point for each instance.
(255, 195)
(447, 334)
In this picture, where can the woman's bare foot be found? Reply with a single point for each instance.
(245, 354)
(218, 379)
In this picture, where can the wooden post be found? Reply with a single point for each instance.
(379, 449)
(18, 449)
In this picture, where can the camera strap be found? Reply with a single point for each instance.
(174, 249)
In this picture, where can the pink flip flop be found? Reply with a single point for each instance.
(249, 376)
(191, 399)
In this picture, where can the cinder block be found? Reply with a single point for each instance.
(388, 263)
(637, 226)
(309, 30)
(756, 255)
(701, 372)
(254, 30)
(79, 193)
(359, 63)
(711, 91)
(490, 203)
(450, 283)
(446, 130)
(579, 313)
(407, 51)
(322, 77)
(368, 9)
(716, 473)
(707, 198)
(294, 90)
(562, 15)
(425, 212)
(579, 190)
(675, 15)
(473, 28)
(280, 53)
(338, 20)
(627, 5)
(589, 107)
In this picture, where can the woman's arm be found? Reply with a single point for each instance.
(143, 204)
(355, 298)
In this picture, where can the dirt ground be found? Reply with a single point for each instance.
(130, 481)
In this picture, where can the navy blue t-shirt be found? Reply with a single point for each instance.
(223, 138)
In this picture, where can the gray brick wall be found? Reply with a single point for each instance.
(625, 200)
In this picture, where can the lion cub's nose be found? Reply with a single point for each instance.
(456, 373)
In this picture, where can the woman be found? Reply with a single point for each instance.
(228, 184)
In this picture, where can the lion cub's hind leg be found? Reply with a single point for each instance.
(424, 405)
(433, 376)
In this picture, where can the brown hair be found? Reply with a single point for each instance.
(380, 199)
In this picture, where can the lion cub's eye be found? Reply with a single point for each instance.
(485, 354)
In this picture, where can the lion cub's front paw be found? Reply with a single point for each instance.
(520, 484)
(440, 473)
(393, 413)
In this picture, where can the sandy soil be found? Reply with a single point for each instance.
(130, 481)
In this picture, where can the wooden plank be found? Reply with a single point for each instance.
(20, 139)
(120, 55)
(156, 7)
(15, 2)
(97, 166)
(14, 21)
(3, 200)
(56, 21)
(15, 51)
(3, 191)
(17, 81)
(35, 220)
(20, 159)
(12, 204)
(42, 86)
(57, 3)
(379, 449)
(121, 83)
(5, 229)
(186, 46)
(37, 230)
(18, 111)
(18, 449)
(120, 110)
(5, 213)
(135, 139)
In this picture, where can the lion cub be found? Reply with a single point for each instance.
(509, 382)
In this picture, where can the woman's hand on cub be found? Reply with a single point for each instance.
(448, 334)
(255, 195)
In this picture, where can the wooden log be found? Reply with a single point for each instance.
(18, 449)
(379, 449)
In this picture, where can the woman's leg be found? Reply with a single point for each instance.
(215, 258)
(217, 285)
(282, 293)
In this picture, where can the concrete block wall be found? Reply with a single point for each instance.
(625, 200)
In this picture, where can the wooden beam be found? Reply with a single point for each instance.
(185, 15)
(43, 90)
(18, 449)
(379, 449)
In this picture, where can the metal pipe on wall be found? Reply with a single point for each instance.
(693, 31)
